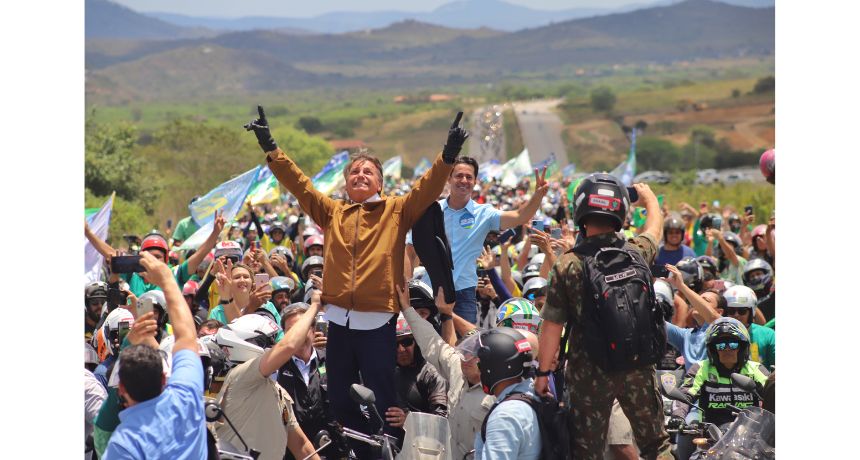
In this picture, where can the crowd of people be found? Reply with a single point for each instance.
(251, 342)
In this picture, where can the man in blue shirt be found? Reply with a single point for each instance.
(511, 429)
(161, 421)
(673, 248)
(467, 224)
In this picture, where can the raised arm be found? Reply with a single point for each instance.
(699, 304)
(317, 205)
(654, 220)
(203, 250)
(293, 340)
(520, 216)
(106, 250)
(431, 184)
(180, 316)
(728, 249)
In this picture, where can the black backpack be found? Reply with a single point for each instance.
(553, 423)
(622, 323)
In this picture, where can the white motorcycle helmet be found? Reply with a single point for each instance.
(109, 333)
(238, 350)
(257, 329)
(533, 250)
(739, 296)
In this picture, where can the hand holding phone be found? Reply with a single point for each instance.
(126, 264)
(261, 279)
(748, 210)
(555, 233)
(538, 224)
(507, 235)
(144, 306)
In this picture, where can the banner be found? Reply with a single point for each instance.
(516, 168)
(265, 188)
(230, 199)
(422, 167)
(230, 196)
(99, 223)
(330, 177)
(627, 170)
(568, 170)
(392, 167)
(490, 170)
(551, 165)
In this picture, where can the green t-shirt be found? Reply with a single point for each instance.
(185, 228)
(138, 286)
(771, 324)
(762, 345)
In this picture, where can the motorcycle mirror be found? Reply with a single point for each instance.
(213, 411)
(714, 432)
(744, 382)
(361, 394)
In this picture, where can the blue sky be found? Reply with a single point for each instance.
(293, 8)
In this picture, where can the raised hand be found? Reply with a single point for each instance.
(444, 307)
(157, 272)
(260, 126)
(456, 137)
(487, 260)
(541, 185)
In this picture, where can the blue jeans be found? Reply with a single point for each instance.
(366, 357)
(467, 304)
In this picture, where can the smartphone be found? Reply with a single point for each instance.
(538, 224)
(555, 233)
(633, 194)
(126, 264)
(748, 210)
(321, 324)
(507, 235)
(716, 203)
(169, 223)
(144, 306)
(116, 297)
(123, 330)
(261, 279)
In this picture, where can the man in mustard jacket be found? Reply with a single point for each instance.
(364, 249)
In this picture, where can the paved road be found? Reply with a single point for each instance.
(489, 149)
(541, 130)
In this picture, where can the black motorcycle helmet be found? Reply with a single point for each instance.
(708, 264)
(601, 194)
(503, 354)
(692, 272)
(673, 223)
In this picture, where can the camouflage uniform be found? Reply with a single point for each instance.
(592, 390)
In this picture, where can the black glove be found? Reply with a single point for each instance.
(675, 423)
(260, 126)
(456, 137)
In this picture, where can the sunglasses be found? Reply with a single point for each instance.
(722, 346)
(729, 311)
(406, 343)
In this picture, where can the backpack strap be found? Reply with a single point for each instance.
(511, 397)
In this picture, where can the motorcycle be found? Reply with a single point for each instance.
(427, 435)
(221, 448)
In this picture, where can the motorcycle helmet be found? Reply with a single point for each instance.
(759, 231)
(709, 265)
(735, 222)
(229, 249)
(236, 349)
(692, 273)
(311, 262)
(733, 239)
(503, 354)
(760, 283)
(673, 223)
(315, 240)
(767, 165)
(91, 357)
(155, 241)
(533, 250)
(284, 251)
(727, 330)
(530, 271)
(535, 287)
(601, 194)
(421, 296)
(741, 297)
(191, 287)
(282, 284)
(95, 290)
(518, 313)
(256, 329)
(665, 294)
(108, 339)
(538, 259)
(278, 226)
(311, 230)
(402, 328)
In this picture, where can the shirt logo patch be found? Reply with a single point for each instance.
(467, 220)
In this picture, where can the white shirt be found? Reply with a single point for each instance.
(305, 367)
(358, 320)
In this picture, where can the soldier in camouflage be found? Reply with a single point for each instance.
(591, 389)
